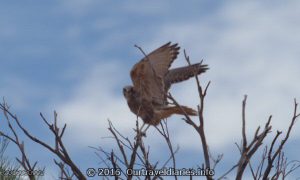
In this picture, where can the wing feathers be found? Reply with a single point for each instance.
(183, 73)
(162, 58)
(148, 74)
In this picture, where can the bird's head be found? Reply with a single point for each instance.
(128, 91)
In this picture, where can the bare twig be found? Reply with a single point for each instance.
(247, 151)
(24, 161)
(227, 172)
(138, 153)
(58, 149)
(64, 174)
(272, 157)
(200, 128)
(165, 133)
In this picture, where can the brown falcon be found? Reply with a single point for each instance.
(152, 79)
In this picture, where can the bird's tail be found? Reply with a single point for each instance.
(169, 110)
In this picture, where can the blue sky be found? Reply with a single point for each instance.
(75, 57)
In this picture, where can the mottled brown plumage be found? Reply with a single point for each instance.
(152, 79)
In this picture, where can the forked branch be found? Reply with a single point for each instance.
(58, 149)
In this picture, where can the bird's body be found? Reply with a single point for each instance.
(152, 79)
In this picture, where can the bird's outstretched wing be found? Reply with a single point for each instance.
(183, 73)
(148, 74)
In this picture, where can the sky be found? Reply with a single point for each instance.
(75, 56)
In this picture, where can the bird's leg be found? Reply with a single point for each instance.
(139, 130)
(144, 132)
(142, 126)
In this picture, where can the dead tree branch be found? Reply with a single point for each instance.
(272, 157)
(248, 150)
(59, 147)
(199, 128)
(165, 133)
(64, 173)
(24, 161)
(138, 153)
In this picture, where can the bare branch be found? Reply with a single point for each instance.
(165, 133)
(272, 157)
(200, 128)
(247, 151)
(59, 148)
(24, 162)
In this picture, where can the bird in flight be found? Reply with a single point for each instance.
(152, 79)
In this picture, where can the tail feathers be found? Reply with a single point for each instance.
(170, 110)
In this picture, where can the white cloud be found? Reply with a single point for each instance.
(251, 50)
(94, 101)
(146, 8)
(242, 60)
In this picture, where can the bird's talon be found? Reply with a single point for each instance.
(143, 134)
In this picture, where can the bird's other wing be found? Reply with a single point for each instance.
(148, 74)
(162, 58)
(183, 73)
